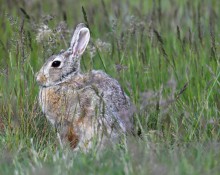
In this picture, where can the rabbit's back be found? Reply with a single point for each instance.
(116, 100)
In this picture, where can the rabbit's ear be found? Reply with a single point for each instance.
(80, 40)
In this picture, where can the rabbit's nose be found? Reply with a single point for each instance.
(38, 81)
(37, 76)
(41, 79)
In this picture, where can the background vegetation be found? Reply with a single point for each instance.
(165, 54)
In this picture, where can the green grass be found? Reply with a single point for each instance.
(165, 54)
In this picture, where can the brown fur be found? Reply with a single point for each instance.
(42, 79)
(54, 98)
(72, 137)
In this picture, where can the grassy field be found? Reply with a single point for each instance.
(165, 54)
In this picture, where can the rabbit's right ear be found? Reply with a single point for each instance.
(80, 40)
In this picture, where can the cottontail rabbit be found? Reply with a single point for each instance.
(86, 108)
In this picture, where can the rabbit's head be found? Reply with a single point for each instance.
(66, 63)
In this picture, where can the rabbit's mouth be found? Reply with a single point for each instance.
(41, 79)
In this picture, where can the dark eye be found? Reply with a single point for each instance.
(56, 64)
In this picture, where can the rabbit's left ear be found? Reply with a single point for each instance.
(80, 40)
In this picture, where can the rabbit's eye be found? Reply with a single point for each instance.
(56, 64)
